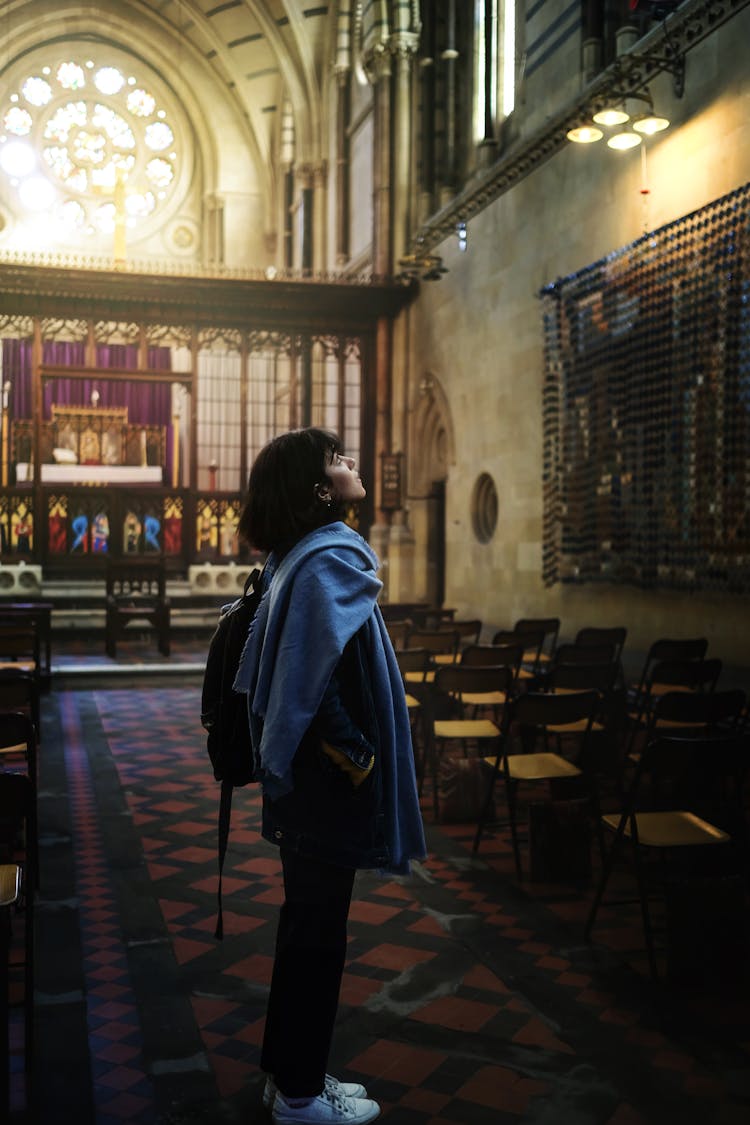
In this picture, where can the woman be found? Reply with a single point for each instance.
(332, 747)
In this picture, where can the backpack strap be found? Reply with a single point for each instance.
(225, 813)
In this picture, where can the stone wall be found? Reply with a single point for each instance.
(477, 333)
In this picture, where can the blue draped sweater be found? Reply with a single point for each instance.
(320, 596)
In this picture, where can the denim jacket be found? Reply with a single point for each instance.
(330, 813)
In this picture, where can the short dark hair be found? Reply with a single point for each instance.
(281, 505)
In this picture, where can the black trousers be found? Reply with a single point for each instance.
(309, 962)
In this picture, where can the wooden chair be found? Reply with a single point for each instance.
(136, 596)
(528, 717)
(662, 816)
(20, 649)
(19, 691)
(18, 834)
(18, 753)
(10, 894)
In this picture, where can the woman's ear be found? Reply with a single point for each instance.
(323, 492)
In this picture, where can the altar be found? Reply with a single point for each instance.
(92, 474)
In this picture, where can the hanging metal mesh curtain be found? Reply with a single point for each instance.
(647, 409)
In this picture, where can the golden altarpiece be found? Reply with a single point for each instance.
(133, 405)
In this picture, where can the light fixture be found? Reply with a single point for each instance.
(624, 140)
(611, 115)
(421, 264)
(584, 134)
(650, 123)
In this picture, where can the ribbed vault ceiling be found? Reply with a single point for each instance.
(259, 51)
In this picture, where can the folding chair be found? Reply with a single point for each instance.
(398, 631)
(669, 677)
(528, 717)
(414, 665)
(531, 644)
(594, 635)
(442, 644)
(663, 816)
(478, 655)
(661, 650)
(538, 654)
(457, 688)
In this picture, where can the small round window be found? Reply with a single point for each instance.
(484, 508)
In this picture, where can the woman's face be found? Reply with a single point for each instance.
(342, 473)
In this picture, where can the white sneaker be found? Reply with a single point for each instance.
(329, 1108)
(347, 1089)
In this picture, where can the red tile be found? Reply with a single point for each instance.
(231, 1075)
(258, 967)
(185, 949)
(396, 957)
(233, 923)
(455, 1013)
(126, 1107)
(397, 1062)
(172, 910)
(394, 890)
(356, 990)
(192, 828)
(118, 1052)
(207, 1009)
(482, 977)
(120, 1078)
(428, 925)
(425, 1101)
(259, 865)
(373, 913)
(499, 1088)
(536, 1033)
(193, 855)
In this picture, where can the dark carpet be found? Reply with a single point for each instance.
(468, 999)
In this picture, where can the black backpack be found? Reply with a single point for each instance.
(224, 711)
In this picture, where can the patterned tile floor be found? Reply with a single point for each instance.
(468, 999)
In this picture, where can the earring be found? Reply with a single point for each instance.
(324, 495)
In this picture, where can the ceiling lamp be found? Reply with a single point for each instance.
(584, 134)
(650, 123)
(624, 140)
(611, 115)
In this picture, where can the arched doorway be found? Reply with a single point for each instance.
(432, 445)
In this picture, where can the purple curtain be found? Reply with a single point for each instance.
(17, 371)
(147, 403)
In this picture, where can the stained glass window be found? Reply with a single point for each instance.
(86, 140)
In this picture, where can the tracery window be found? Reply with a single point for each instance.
(495, 64)
(86, 145)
